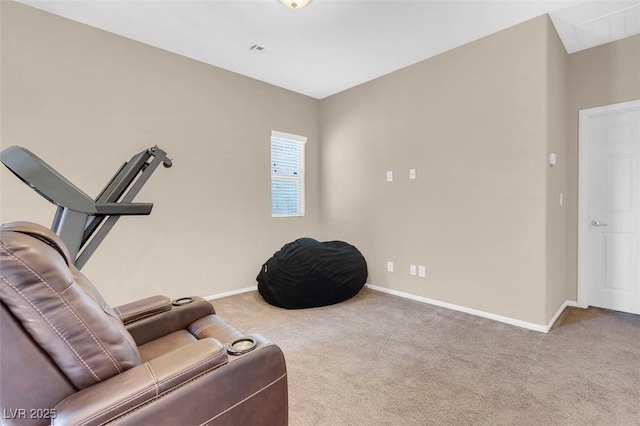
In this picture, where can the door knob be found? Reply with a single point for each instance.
(596, 222)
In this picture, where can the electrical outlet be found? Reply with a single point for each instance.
(412, 269)
(389, 266)
(412, 174)
(390, 176)
(422, 271)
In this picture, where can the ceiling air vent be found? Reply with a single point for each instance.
(617, 25)
(256, 48)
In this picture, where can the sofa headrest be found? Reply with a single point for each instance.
(43, 234)
(47, 295)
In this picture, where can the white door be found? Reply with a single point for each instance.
(610, 207)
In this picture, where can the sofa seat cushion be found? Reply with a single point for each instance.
(165, 344)
(210, 326)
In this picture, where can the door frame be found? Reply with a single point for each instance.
(584, 118)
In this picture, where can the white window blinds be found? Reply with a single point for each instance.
(287, 174)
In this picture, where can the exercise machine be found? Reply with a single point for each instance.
(80, 221)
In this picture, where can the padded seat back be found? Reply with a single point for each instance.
(59, 308)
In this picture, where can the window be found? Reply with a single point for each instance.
(287, 174)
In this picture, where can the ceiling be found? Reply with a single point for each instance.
(332, 45)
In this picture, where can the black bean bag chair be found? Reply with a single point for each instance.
(307, 273)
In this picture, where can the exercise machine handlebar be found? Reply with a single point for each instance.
(80, 221)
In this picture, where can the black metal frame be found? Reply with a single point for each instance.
(81, 222)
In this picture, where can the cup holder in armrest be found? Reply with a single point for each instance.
(241, 346)
(182, 301)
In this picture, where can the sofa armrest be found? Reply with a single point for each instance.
(143, 308)
(161, 324)
(107, 400)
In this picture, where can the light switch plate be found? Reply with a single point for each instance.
(412, 173)
(389, 266)
(422, 271)
(390, 176)
(412, 269)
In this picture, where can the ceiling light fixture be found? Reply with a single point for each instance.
(295, 4)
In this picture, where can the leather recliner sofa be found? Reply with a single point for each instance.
(67, 358)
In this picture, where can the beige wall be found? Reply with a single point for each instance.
(557, 287)
(602, 75)
(473, 122)
(86, 101)
(478, 124)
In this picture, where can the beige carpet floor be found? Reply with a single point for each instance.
(379, 359)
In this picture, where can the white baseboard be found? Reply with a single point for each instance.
(476, 312)
(488, 315)
(566, 303)
(231, 293)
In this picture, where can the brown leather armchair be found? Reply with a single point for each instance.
(67, 358)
